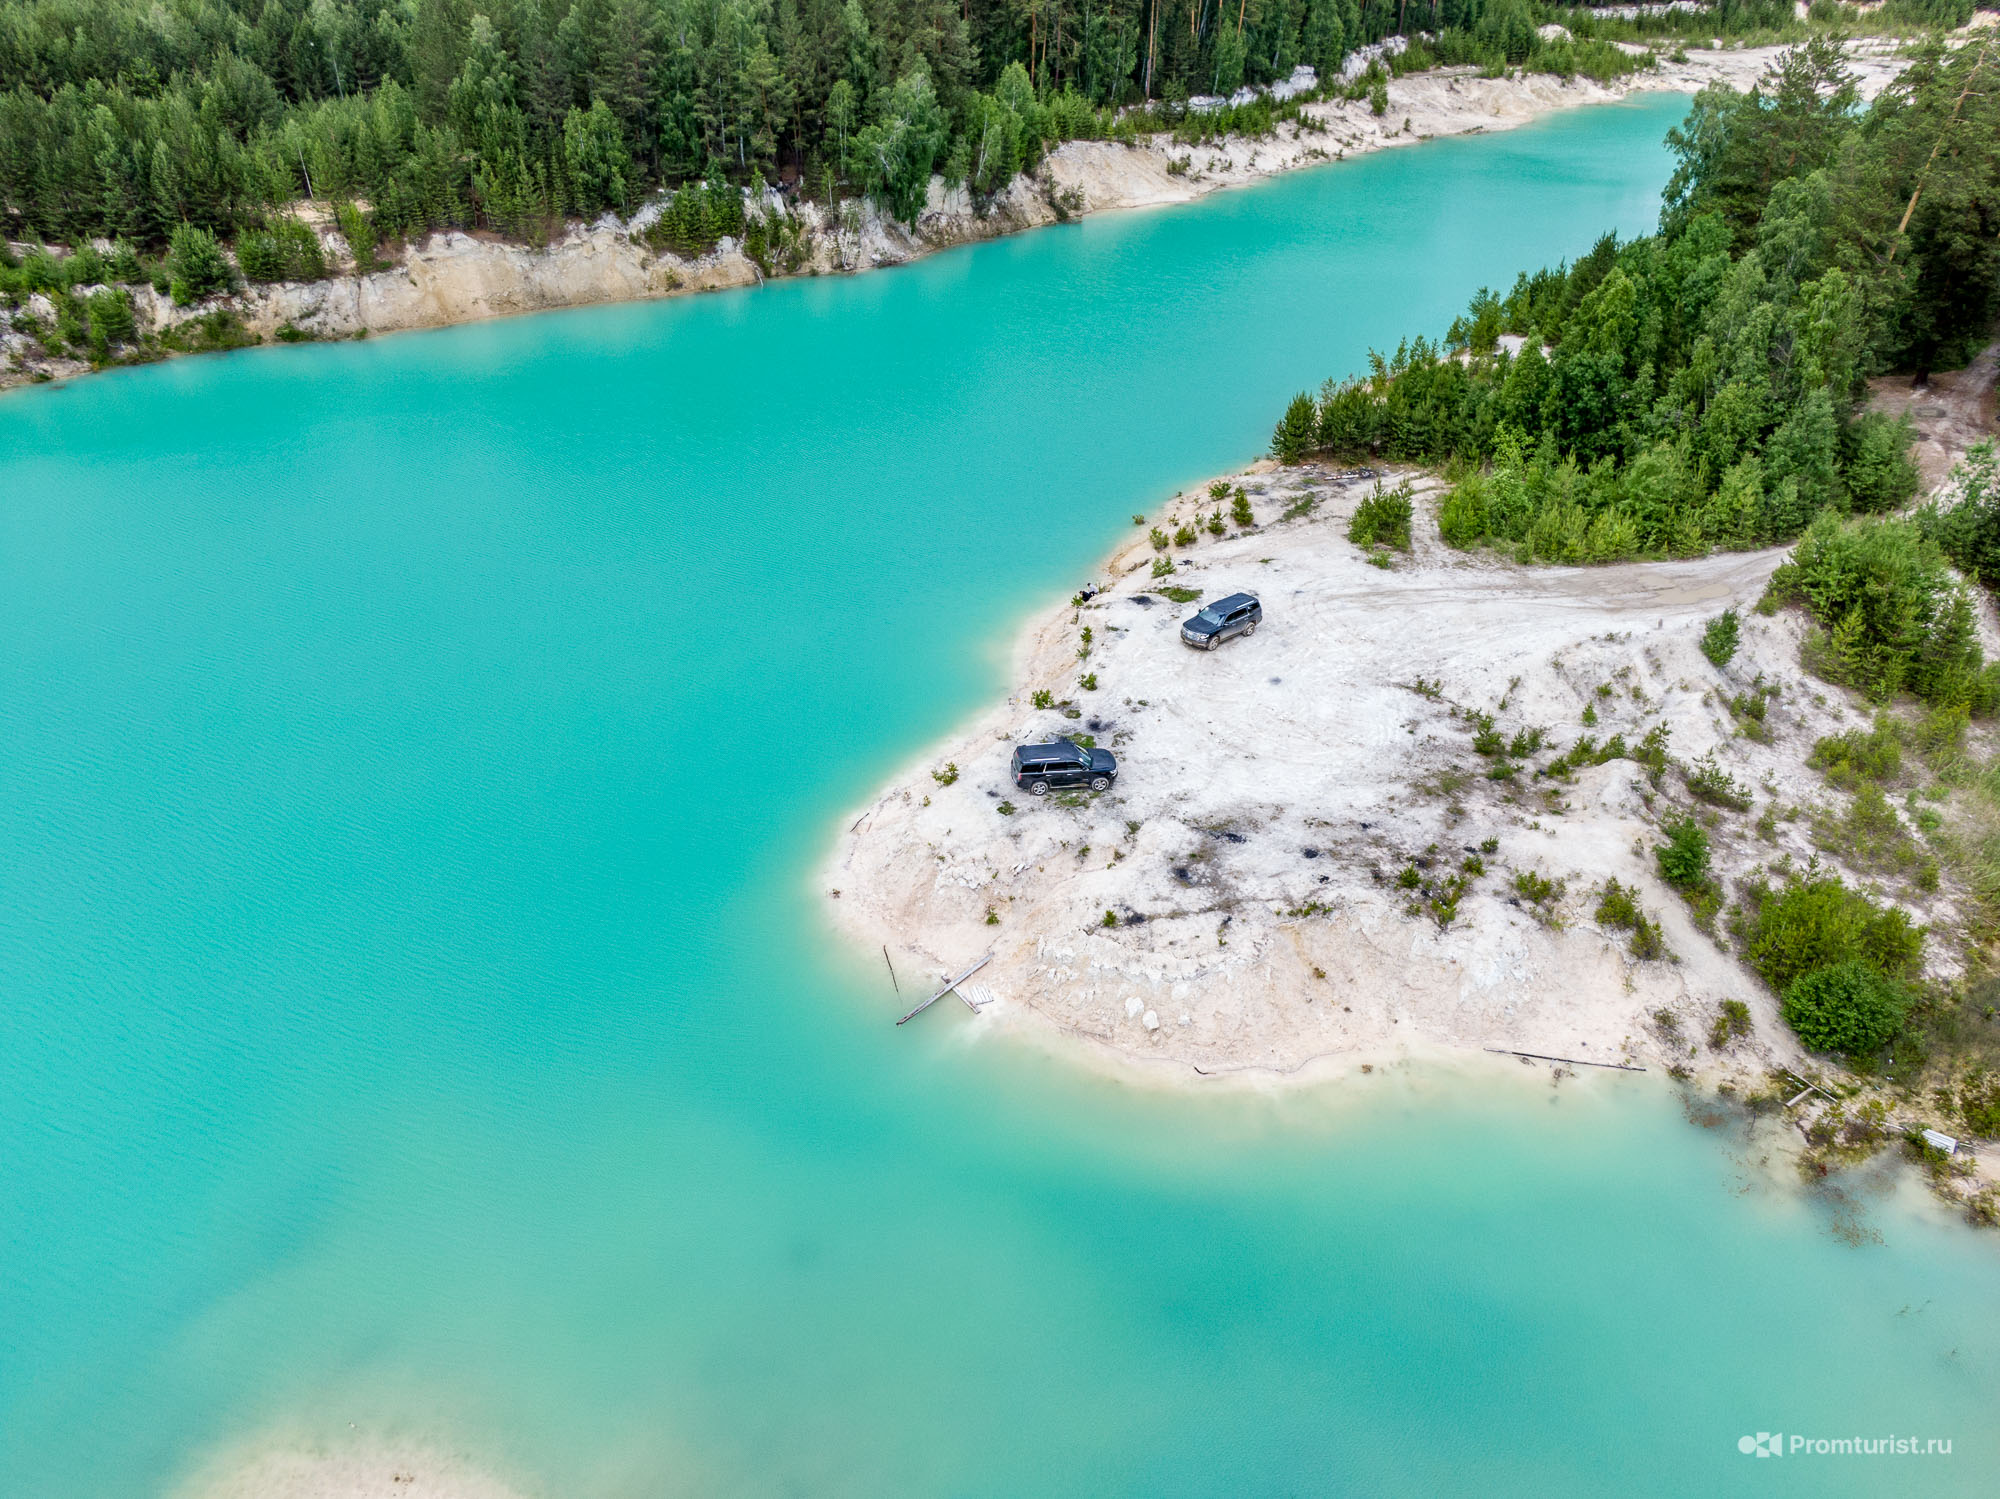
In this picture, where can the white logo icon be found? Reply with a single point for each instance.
(1764, 1444)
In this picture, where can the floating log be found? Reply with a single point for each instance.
(1579, 1061)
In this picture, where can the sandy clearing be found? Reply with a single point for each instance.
(1273, 791)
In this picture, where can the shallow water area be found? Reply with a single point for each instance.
(416, 1028)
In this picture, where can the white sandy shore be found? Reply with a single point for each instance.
(455, 277)
(1272, 793)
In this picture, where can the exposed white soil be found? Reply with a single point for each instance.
(456, 277)
(1273, 792)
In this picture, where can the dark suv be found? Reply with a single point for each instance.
(1040, 768)
(1239, 614)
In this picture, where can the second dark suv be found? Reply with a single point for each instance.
(1239, 614)
(1041, 768)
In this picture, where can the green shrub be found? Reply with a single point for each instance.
(1462, 516)
(1894, 617)
(1877, 466)
(1043, 698)
(359, 231)
(197, 266)
(947, 776)
(1683, 858)
(1648, 943)
(1851, 758)
(1846, 1008)
(1718, 641)
(287, 251)
(1815, 921)
(1714, 785)
(1732, 1021)
(1618, 906)
(1378, 99)
(1968, 531)
(1297, 430)
(1382, 519)
(1175, 594)
(210, 333)
(1239, 509)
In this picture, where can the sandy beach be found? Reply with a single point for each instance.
(1263, 894)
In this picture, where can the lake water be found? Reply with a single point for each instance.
(413, 755)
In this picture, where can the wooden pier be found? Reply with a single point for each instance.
(948, 988)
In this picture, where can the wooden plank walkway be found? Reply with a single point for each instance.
(948, 989)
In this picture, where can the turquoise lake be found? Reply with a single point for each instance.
(413, 1011)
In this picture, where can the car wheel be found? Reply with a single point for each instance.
(1214, 640)
(1251, 628)
(1038, 788)
(1100, 783)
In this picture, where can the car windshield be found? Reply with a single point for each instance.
(1209, 617)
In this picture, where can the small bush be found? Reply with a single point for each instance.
(1537, 889)
(1718, 641)
(1815, 921)
(1846, 1008)
(197, 266)
(1184, 537)
(1297, 430)
(1174, 594)
(1382, 519)
(1043, 698)
(1163, 567)
(1215, 526)
(947, 776)
(287, 251)
(1110, 919)
(1684, 856)
(1851, 758)
(1239, 509)
(1618, 906)
(359, 232)
(1005, 809)
(1714, 785)
(1378, 99)
(1158, 539)
(1732, 1021)
(1088, 681)
(1894, 617)
(210, 333)
(1648, 943)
